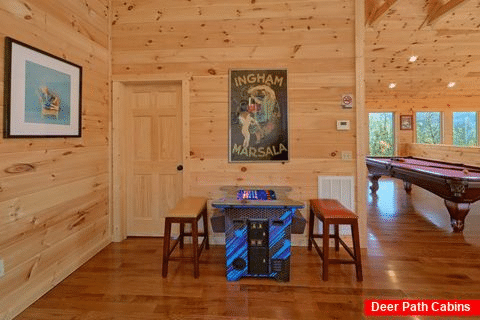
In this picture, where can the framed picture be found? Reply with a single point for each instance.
(258, 115)
(42, 93)
(406, 122)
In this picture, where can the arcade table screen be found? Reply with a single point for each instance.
(256, 195)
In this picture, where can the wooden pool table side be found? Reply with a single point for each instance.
(458, 191)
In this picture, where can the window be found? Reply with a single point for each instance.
(429, 127)
(465, 129)
(381, 137)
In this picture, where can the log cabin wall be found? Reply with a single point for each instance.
(445, 41)
(313, 40)
(54, 192)
(465, 155)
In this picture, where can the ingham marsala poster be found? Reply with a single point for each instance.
(258, 115)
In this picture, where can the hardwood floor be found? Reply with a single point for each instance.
(412, 253)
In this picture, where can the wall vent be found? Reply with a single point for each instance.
(341, 188)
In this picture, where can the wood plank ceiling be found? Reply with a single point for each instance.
(443, 35)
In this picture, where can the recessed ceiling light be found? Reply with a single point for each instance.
(413, 58)
(392, 85)
(451, 84)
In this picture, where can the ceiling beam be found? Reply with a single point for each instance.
(437, 9)
(373, 11)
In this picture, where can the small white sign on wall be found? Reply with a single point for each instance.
(347, 101)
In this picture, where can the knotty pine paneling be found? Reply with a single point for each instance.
(48, 169)
(313, 40)
(447, 51)
(129, 11)
(335, 64)
(465, 155)
(54, 191)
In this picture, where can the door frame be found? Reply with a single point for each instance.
(118, 175)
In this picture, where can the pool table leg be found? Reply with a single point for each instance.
(458, 212)
(407, 186)
(374, 180)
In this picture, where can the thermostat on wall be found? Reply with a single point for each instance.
(343, 124)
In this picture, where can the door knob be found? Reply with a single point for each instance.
(179, 167)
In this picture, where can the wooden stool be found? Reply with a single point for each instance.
(188, 210)
(331, 212)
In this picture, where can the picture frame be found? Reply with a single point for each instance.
(406, 122)
(258, 115)
(42, 93)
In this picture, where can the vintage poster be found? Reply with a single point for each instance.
(258, 116)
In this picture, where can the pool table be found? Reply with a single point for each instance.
(456, 183)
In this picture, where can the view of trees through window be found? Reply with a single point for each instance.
(429, 127)
(428, 130)
(381, 134)
(465, 129)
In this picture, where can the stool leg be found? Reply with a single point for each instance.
(326, 245)
(182, 233)
(356, 248)
(311, 222)
(166, 246)
(196, 269)
(337, 236)
(205, 228)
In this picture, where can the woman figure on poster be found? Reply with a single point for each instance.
(249, 124)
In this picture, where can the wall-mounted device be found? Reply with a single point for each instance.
(343, 124)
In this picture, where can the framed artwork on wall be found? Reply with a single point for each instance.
(42, 93)
(258, 115)
(406, 122)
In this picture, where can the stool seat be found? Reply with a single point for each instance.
(189, 210)
(332, 212)
(331, 209)
(189, 207)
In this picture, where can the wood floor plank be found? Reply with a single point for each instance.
(412, 254)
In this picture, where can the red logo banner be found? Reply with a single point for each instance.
(407, 307)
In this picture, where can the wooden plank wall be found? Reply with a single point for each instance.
(465, 155)
(314, 40)
(54, 215)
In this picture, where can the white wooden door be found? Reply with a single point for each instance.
(153, 129)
